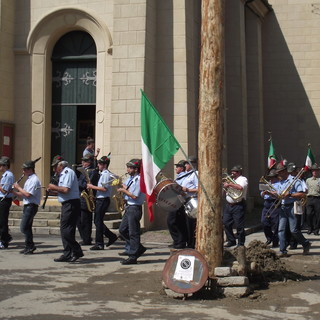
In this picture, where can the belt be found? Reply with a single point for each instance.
(233, 204)
(31, 205)
(287, 204)
(67, 201)
(313, 196)
(134, 205)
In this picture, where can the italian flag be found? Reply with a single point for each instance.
(158, 147)
(272, 158)
(309, 160)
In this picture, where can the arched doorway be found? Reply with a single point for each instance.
(74, 78)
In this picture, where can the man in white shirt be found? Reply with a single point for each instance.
(235, 208)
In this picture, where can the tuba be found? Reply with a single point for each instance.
(87, 194)
(233, 193)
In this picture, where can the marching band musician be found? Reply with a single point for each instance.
(291, 195)
(270, 214)
(130, 224)
(298, 210)
(102, 203)
(190, 187)
(84, 222)
(313, 201)
(234, 211)
(6, 183)
(176, 220)
(68, 195)
(31, 194)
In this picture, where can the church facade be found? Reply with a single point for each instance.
(70, 69)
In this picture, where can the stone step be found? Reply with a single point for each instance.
(50, 231)
(47, 221)
(50, 215)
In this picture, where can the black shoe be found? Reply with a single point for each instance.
(275, 245)
(179, 247)
(306, 248)
(316, 232)
(141, 251)
(112, 241)
(268, 242)
(23, 251)
(3, 245)
(123, 254)
(309, 231)
(97, 247)
(130, 260)
(74, 258)
(293, 247)
(62, 259)
(30, 250)
(229, 244)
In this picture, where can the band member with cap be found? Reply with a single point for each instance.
(31, 194)
(190, 187)
(6, 183)
(130, 224)
(84, 222)
(290, 192)
(234, 211)
(68, 195)
(298, 209)
(103, 191)
(176, 220)
(270, 214)
(313, 201)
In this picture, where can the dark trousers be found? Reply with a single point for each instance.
(69, 215)
(234, 214)
(29, 211)
(130, 229)
(270, 221)
(84, 225)
(5, 205)
(176, 221)
(101, 229)
(313, 214)
(191, 231)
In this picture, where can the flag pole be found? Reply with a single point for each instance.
(200, 182)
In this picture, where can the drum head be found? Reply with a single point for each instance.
(170, 197)
(186, 271)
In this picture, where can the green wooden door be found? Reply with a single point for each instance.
(73, 85)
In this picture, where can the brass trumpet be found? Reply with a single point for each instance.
(270, 187)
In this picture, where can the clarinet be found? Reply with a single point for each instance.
(54, 180)
(5, 196)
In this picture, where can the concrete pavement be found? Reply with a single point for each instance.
(99, 287)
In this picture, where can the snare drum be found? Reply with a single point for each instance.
(191, 208)
(169, 195)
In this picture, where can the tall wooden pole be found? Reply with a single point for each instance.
(209, 223)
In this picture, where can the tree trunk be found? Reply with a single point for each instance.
(209, 221)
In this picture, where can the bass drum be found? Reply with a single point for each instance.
(169, 195)
(191, 208)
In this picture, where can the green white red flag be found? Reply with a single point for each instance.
(272, 158)
(309, 160)
(158, 147)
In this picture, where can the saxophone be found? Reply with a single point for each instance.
(118, 196)
(87, 194)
